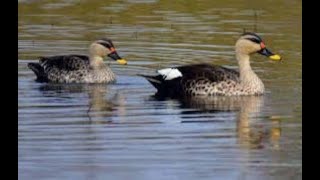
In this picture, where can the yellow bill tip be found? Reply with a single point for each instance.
(275, 57)
(122, 61)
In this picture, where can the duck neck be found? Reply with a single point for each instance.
(96, 61)
(248, 77)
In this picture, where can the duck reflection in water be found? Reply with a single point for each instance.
(101, 104)
(254, 130)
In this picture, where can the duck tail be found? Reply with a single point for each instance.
(39, 71)
(165, 88)
(156, 81)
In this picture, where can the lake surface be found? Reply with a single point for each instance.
(121, 131)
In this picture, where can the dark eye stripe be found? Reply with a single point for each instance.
(252, 34)
(105, 44)
(254, 40)
(108, 40)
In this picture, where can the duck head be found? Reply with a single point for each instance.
(250, 43)
(104, 47)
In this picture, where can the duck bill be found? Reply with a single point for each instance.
(269, 54)
(122, 61)
(114, 56)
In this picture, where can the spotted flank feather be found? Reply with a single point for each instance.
(200, 79)
(70, 69)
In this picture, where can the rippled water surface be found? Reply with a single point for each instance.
(120, 131)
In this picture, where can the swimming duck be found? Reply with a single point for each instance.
(79, 68)
(208, 80)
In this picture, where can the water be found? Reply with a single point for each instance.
(120, 131)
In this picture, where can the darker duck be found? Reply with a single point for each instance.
(209, 80)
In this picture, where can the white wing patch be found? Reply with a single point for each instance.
(170, 73)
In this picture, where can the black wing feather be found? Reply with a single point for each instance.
(213, 73)
(69, 62)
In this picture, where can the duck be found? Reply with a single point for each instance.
(214, 80)
(75, 68)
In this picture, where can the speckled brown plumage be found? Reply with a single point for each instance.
(211, 80)
(72, 69)
(78, 68)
